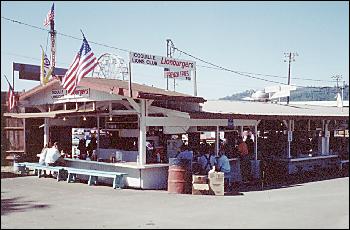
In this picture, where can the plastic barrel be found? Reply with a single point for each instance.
(176, 179)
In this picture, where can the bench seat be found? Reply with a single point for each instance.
(24, 167)
(117, 177)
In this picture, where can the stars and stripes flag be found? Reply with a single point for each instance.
(46, 69)
(83, 63)
(11, 97)
(50, 15)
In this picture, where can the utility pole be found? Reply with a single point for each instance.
(290, 56)
(165, 69)
(169, 53)
(337, 78)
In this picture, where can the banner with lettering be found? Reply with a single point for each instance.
(160, 61)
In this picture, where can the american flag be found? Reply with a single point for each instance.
(12, 99)
(50, 16)
(84, 62)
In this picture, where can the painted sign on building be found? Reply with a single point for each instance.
(160, 61)
(60, 93)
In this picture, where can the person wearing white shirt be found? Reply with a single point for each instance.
(43, 155)
(53, 156)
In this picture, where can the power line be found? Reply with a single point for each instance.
(246, 74)
(233, 71)
(269, 75)
(65, 35)
(226, 69)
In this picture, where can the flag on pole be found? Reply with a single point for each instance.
(83, 63)
(50, 16)
(11, 97)
(46, 69)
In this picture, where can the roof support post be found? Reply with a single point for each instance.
(142, 134)
(290, 137)
(326, 136)
(98, 135)
(217, 140)
(256, 141)
(46, 131)
(24, 135)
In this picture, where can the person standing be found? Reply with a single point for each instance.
(223, 165)
(250, 144)
(244, 159)
(82, 149)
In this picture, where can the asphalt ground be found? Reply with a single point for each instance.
(31, 202)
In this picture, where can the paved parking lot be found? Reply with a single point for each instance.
(31, 202)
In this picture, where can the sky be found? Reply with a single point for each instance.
(240, 36)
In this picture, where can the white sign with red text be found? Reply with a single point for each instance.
(160, 61)
(178, 74)
(62, 93)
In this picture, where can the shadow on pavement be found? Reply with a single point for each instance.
(10, 175)
(288, 181)
(10, 205)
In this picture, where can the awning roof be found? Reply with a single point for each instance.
(258, 110)
(120, 87)
(52, 114)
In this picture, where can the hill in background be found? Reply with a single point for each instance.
(300, 94)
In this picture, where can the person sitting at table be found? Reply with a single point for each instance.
(207, 160)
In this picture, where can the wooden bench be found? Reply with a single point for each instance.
(24, 168)
(117, 177)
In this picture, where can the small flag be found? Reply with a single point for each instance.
(12, 98)
(46, 71)
(50, 16)
(83, 63)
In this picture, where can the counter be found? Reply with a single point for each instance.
(235, 170)
(309, 163)
(149, 176)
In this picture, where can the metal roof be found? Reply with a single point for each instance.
(242, 109)
(121, 88)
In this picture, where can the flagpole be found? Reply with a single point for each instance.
(53, 45)
(13, 79)
(82, 33)
(8, 81)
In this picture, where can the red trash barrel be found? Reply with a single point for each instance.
(176, 179)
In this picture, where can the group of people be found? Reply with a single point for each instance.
(87, 152)
(207, 160)
(51, 156)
